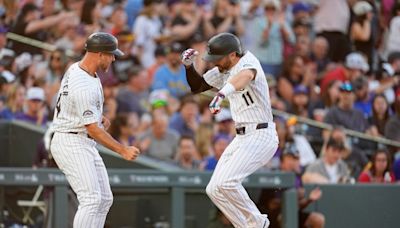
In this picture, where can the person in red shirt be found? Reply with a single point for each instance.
(354, 67)
(380, 171)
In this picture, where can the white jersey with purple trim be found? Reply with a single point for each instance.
(79, 102)
(251, 104)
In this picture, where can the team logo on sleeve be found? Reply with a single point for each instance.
(87, 113)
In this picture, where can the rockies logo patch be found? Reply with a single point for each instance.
(87, 113)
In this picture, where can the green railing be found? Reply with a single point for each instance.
(177, 183)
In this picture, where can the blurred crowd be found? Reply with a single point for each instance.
(336, 62)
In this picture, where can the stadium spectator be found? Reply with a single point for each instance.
(393, 43)
(35, 112)
(90, 17)
(186, 121)
(380, 115)
(187, 156)
(134, 95)
(354, 67)
(271, 201)
(226, 17)
(190, 24)
(15, 100)
(118, 21)
(319, 55)
(159, 141)
(389, 77)
(159, 60)
(124, 128)
(219, 143)
(331, 21)
(6, 82)
(361, 29)
(122, 63)
(10, 12)
(392, 127)
(363, 96)
(54, 72)
(147, 30)
(271, 31)
(30, 24)
(172, 76)
(330, 97)
(301, 10)
(295, 72)
(302, 47)
(300, 102)
(329, 168)
(355, 158)
(203, 138)
(344, 114)
(224, 123)
(379, 170)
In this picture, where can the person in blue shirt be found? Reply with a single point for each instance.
(187, 120)
(172, 76)
(219, 143)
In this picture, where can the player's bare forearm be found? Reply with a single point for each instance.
(103, 137)
(242, 79)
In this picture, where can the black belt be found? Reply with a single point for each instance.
(76, 133)
(242, 130)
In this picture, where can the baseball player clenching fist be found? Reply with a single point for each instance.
(239, 77)
(79, 123)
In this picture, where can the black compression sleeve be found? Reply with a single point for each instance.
(196, 82)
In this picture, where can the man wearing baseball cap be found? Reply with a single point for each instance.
(354, 66)
(344, 114)
(35, 112)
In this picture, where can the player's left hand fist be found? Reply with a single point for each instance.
(189, 56)
(130, 153)
(105, 122)
(215, 105)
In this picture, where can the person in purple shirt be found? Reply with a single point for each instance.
(270, 201)
(35, 111)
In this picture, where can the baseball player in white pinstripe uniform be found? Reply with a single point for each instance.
(239, 77)
(78, 124)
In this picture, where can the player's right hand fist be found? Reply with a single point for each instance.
(215, 105)
(130, 153)
(189, 56)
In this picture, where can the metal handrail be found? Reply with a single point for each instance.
(324, 126)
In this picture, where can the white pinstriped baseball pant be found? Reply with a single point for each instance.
(85, 171)
(244, 155)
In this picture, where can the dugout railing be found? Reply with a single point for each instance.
(176, 184)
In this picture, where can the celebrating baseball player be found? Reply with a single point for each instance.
(79, 124)
(239, 77)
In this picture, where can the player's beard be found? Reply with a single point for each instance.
(224, 66)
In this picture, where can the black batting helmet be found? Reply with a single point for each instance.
(103, 42)
(221, 45)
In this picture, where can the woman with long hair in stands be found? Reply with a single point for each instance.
(123, 128)
(380, 169)
(380, 114)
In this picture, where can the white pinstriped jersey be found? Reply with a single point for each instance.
(79, 102)
(252, 104)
